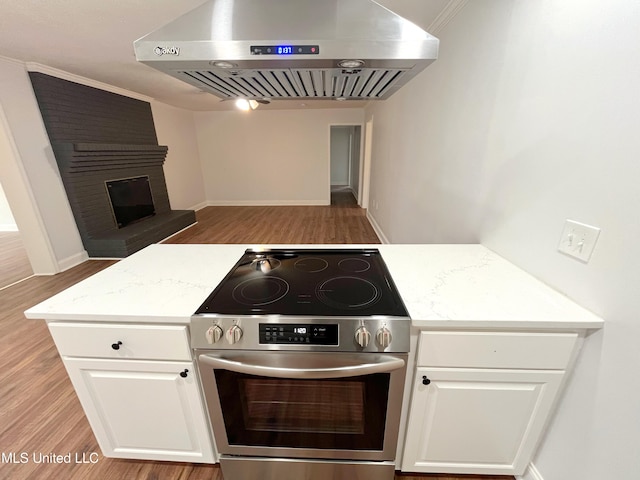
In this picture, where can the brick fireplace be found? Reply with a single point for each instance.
(97, 137)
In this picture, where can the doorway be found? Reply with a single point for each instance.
(345, 165)
(14, 262)
(24, 220)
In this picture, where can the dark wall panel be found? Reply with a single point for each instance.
(99, 136)
(77, 113)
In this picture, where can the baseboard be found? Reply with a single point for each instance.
(199, 206)
(376, 228)
(531, 473)
(73, 260)
(8, 227)
(266, 203)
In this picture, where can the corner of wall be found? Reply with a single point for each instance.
(73, 260)
(531, 473)
(199, 206)
(376, 228)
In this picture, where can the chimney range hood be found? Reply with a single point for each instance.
(290, 49)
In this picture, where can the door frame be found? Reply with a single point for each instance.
(361, 159)
(23, 205)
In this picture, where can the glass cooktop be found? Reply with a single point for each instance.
(345, 282)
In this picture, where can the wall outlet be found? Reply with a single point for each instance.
(578, 240)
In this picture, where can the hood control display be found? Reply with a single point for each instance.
(285, 50)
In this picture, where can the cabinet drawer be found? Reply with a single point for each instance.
(496, 349)
(160, 342)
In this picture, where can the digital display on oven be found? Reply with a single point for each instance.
(297, 334)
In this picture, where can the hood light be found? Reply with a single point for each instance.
(351, 63)
(246, 105)
(223, 64)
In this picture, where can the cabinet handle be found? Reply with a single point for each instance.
(425, 380)
(184, 373)
(116, 346)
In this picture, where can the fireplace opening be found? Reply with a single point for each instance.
(131, 199)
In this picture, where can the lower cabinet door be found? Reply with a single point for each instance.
(477, 421)
(143, 409)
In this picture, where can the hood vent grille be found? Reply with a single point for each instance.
(365, 83)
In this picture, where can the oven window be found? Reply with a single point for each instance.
(347, 413)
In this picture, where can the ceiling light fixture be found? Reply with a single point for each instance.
(246, 105)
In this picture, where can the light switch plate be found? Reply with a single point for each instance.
(578, 240)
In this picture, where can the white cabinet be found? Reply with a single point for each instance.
(140, 409)
(481, 400)
(468, 421)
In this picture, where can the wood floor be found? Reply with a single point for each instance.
(39, 411)
(343, 222)
(14, 263)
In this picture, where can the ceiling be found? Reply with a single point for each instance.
(94, 39)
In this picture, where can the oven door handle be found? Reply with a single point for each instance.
(300, 366)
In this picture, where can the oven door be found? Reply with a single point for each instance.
(304, 404)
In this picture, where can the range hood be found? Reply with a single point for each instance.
(290, 49)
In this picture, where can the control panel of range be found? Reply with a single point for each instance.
(298, 334)
(293, 333)
(342, 335)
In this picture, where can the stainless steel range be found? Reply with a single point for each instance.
(302, 358)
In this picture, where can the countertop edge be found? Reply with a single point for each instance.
(48, 317)
(505, 325)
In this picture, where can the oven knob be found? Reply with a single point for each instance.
(214, 334)
(234, 334)
(383, 337)
(363, 336)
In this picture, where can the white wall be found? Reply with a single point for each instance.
(531, 116)
(278, 157)
(354, 174)
(176, 129)
(50, 234)
(340, 153)
(7, 222)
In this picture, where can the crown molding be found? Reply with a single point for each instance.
(11, 60)
(447, 14)
(54, 72)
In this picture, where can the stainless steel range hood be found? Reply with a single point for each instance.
(288, 49)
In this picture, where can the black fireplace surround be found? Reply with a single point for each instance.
(131, 200)
(100, 137)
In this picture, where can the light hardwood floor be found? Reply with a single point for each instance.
(14, 263)
(39, 411)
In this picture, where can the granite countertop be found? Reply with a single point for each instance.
(442, 286)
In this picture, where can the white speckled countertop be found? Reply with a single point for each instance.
(442, 286)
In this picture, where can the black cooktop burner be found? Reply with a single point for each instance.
(348, 282)
(260, 291)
